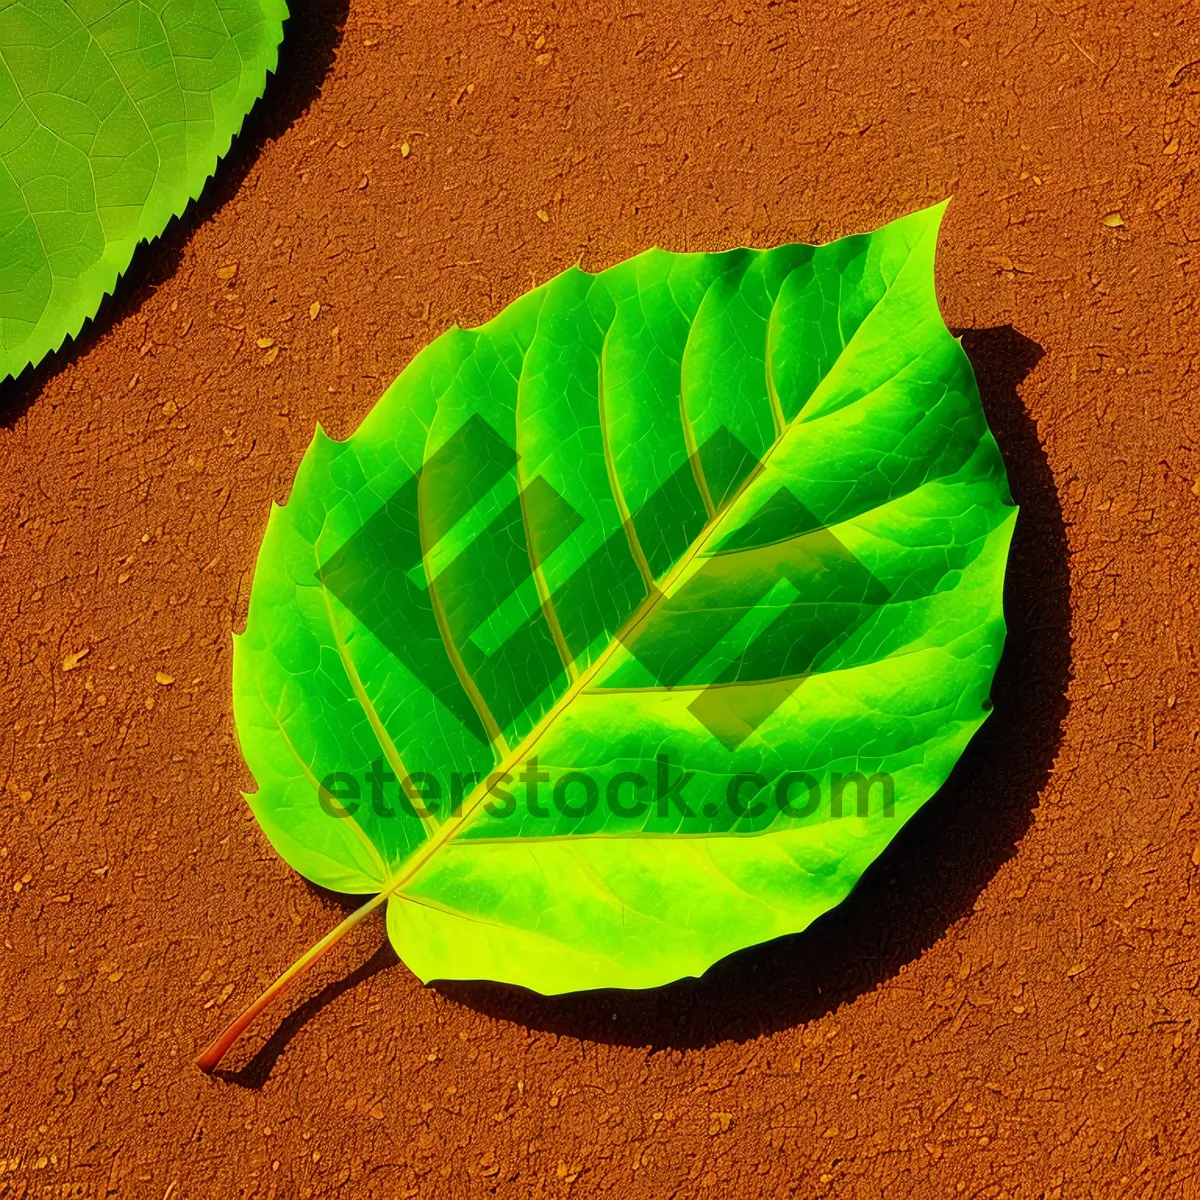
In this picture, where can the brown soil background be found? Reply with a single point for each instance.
(1007, 1007)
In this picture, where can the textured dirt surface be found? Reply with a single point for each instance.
(1006, 1007)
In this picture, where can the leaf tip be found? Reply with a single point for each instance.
(935, 212)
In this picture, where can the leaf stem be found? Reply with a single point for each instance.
(212, 1056)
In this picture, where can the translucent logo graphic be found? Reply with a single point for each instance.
(750, 619)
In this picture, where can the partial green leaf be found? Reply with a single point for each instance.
(113, 114)
(584, 646)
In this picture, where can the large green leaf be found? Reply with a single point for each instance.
(720, 521)
(113, 113)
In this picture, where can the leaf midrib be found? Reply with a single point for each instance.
(446, 832)
(450, 829)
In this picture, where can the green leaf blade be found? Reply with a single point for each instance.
(112, 118)
(694, 537)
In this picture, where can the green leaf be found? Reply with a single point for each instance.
(730, 525)
(113, 114)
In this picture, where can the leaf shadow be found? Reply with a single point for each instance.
(936, 867)
(311, 37)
